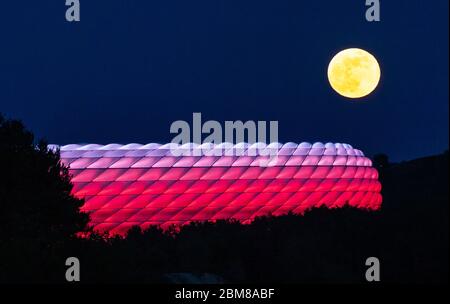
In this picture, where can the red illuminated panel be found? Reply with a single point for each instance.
(144, 185)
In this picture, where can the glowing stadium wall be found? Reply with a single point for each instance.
(127, 185)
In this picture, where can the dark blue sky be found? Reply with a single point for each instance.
(130, 68)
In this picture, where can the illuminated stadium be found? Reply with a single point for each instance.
(153, 184)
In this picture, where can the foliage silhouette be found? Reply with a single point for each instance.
(39, 217)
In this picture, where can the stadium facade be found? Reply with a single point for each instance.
(154, 184)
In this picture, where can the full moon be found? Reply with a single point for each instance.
(354, 73)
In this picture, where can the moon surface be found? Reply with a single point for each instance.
(354, 73)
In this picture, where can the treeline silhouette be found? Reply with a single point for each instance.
(39, 220)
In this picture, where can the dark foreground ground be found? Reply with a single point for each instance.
(409, 236)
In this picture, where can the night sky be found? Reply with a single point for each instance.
(130, 68)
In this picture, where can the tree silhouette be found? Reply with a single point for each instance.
(381, 161)
(38, 215)
(39, 220)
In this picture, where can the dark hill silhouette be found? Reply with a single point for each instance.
(38, 218)
(415, 209)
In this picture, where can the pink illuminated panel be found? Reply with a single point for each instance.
(127, 185)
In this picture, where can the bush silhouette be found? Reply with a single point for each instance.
(39, 220)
